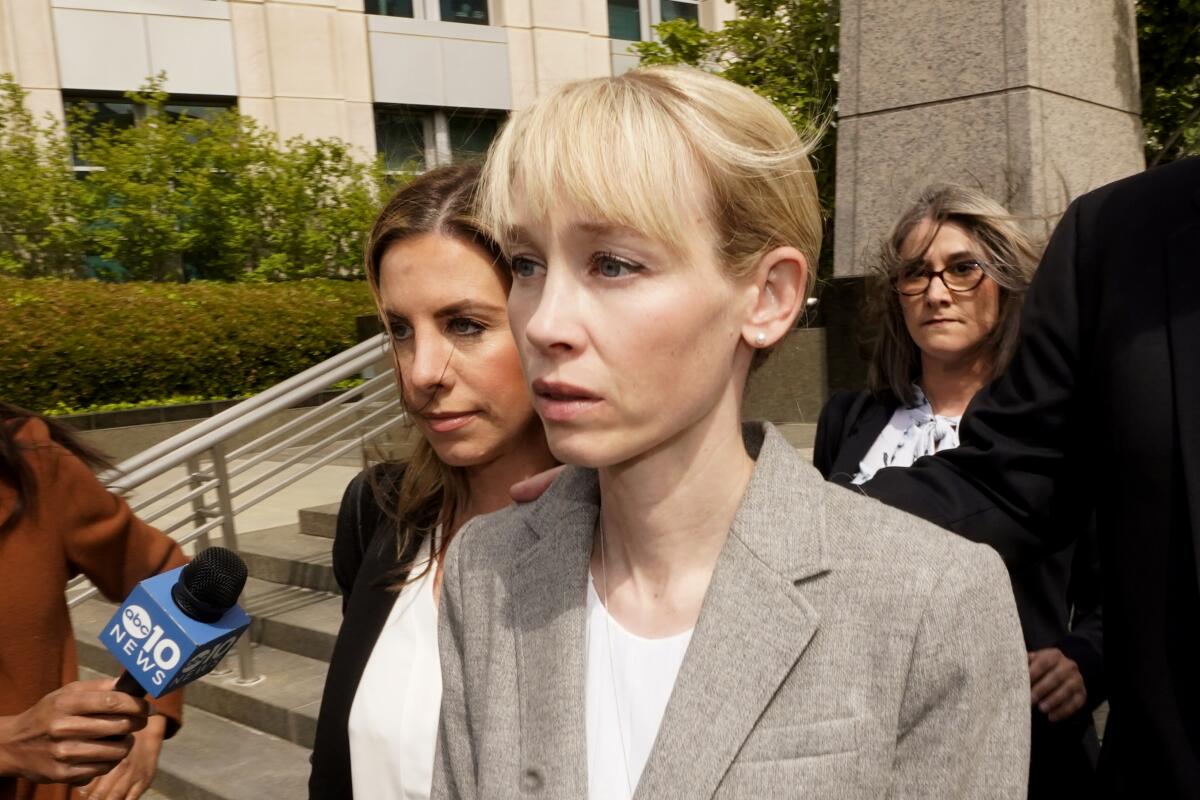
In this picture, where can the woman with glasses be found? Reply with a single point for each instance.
(951, 277)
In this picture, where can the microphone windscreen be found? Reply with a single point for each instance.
(210, 584)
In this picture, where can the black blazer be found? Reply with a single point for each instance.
(1058, 598)
(1099, 413)
(364, 557)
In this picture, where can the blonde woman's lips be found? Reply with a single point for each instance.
(561, 402)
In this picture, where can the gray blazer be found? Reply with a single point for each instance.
(844, 649)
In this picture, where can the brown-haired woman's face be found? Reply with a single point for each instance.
(460, 374)
(947, 325)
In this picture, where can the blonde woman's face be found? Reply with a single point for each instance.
(459, 370)
(948, 326)
(626, 344)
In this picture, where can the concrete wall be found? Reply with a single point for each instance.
(313, 68)
(304, 69)
(790, 387)
(1034, 101)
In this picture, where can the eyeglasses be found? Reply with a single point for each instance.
(914, 280)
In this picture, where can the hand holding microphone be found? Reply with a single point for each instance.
(72, 734)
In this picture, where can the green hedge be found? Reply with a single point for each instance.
(78, 344)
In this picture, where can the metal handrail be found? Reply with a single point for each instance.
(200, 437)
(311, 440)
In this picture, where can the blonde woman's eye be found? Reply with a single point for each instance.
(523, 267)
(401, 331)
(462, 326)
(967, 267)
(610, 266)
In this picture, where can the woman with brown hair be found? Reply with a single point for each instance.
(58, 521)
(441, 288)
(948, 289)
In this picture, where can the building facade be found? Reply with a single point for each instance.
(415, 80)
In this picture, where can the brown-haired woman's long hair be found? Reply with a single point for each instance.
(428, 492)
(1008, 255)
(14, 463)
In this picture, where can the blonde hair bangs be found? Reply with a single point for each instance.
(623, 149)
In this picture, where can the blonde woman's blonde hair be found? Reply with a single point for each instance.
(621, 150)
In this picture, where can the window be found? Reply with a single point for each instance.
(624, 20)
(634, 20)
(472, 12)
(417, 139)
(680, 9)
(389, 8)
(121, 112)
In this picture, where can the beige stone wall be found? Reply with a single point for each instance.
(303, 68)
(306, 67)
(1034, 101)
(27, 53)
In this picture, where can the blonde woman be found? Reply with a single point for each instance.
(690, 610)
(441, 287)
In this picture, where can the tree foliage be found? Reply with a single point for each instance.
(786, 50)
(40, 202)
(1169, 58)
(176, 197)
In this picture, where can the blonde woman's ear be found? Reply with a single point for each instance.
(781, 280)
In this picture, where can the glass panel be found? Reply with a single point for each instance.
(400, 138)
(197, 110)
(676, 9)
(118, 113)
(471, 134)
(624, 20)
(472, 11)
(389, 8)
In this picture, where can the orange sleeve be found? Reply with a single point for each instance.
(101, 536)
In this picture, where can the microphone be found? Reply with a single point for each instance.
(176, 627)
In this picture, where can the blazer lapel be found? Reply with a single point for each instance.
(753, 627)
(1183, 298)
(549, 598)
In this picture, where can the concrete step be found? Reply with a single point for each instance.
(291, 618)
(319, 520)
(285, 555)
(283, 703)
(213, 758)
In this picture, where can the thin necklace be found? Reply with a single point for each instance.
(612, 672)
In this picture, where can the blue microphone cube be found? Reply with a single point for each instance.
(162, 647)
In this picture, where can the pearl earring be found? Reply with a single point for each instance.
(760, 339)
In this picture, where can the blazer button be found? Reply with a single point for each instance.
(531, 780)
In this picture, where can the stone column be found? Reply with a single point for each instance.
(1032, 101)
(27, 52)
(304, 69)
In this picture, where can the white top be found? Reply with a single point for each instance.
(394, 718)
(911, 433)
(627, 691)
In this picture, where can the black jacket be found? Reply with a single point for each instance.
(364, 560)
(1046, 591)
(1099, 413)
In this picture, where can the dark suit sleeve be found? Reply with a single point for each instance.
(831, 431)
(1085, 643)
(350, 540)
(1011, 482)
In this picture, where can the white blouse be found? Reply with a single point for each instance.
(627, 688)
(394, 718)
(911, 433)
